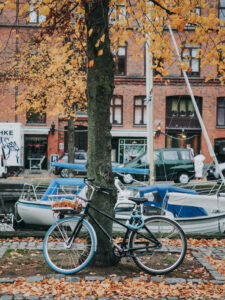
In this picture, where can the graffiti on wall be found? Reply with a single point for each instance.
(10, 148)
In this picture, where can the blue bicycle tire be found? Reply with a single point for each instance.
(69, 260)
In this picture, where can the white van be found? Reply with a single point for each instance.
(3, 166)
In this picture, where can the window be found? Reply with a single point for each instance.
(157, 64)
(222, 10)
(139, 110)
(116, 110)
(221, 111)
(181, 106)
(197, 11)
(120, 61)
(35, 17)
(221, 67)
(189, 54)
(170, 155)
(33, 117)
(117, 13)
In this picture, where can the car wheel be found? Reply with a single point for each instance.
(183, 178)
(64, 173)
(127, 178)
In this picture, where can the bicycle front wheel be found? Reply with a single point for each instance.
(159, 247)
(65, 253)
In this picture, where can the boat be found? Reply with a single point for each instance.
(195, 213)
(35, 209)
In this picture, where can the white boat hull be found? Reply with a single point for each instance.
(36, 212)
(214, 223)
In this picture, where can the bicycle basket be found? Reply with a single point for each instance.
(68, 203)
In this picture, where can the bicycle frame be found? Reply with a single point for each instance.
(129, 230)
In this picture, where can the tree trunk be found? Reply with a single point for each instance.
(100, 86)
(70, 135)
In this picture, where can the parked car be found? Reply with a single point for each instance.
(170, 164)
(213, 172)
(80, 158)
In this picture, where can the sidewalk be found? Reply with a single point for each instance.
(198, 253)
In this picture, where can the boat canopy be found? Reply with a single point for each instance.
(57, 182)
(160, 195)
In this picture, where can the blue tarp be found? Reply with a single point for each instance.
(57, 182)
(180, 211)
(82, 167)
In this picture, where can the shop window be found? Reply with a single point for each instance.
(189, 54)
(35, 118)
(222, 10)
(120, 61)
(139, 110)
(221, 111)
(116, 110)
(129, 149)
(35, 17)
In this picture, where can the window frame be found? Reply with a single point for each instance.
(217, 111)
(35, 118)
(190, 59)
(113, 11)
(117, 57)
(196, 10)
(143, 107)
(115, 106)
(37, 15)
(221, 8)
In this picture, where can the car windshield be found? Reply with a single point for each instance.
(138, 162)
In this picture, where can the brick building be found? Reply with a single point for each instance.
(173, 109)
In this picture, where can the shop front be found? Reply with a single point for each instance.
(128, 145)
(36, 148)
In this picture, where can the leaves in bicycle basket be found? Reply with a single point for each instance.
(64, 204)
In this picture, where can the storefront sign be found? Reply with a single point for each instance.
(53, 158)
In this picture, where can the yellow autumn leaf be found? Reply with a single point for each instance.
(97, 44)
(207, 78)
(44, 10)
(100, 52)
(90, 31)
(102, 39)
(91, 63)
(73, 62)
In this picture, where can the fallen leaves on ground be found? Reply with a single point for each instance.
(108, 288)
(128, 287)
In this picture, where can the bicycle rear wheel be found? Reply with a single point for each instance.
(69, 258)
(164, 257)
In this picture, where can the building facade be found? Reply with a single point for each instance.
(175, 121)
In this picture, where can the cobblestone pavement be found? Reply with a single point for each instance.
(198, 252)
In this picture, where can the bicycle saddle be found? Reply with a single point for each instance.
(138, 200)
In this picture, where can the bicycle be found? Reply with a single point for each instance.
(157, 245)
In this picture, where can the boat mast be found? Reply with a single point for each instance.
(150, 114)
(211, 151)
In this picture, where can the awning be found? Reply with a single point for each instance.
(37, 130)
(129, 132)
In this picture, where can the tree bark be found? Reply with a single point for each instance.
(70, 135)
(100, 86)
